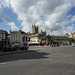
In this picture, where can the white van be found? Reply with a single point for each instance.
(73, 44)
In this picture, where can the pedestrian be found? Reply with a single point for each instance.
(54, 44)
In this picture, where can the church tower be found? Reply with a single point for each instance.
(34, 29)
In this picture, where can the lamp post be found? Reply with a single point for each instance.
(2, 44)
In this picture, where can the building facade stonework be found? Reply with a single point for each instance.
(18, 37)
(35, 36)
(34, 29)
(3, 35)
(61, 39)
(3, 39)
(73, 35)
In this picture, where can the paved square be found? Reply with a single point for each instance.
(40, 61)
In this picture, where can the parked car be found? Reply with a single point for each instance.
(16, 46)
(10, 48)
(64, 44)
(73, 44)
(13, 48)
(24, 46)
(7, 48)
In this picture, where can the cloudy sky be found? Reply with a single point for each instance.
(55, 15)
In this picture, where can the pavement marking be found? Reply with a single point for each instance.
(60, 52)
(69, 63)
(5, 63)
(47, 59)
(73, 63)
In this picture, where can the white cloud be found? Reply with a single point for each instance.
(69, 28)
(12, 25)
(48, 14)
(1, 10)
(5, 3)
(7, 21)
(73, 19)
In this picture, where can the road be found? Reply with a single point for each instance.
(40, 61)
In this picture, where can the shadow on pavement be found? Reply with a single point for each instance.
(32, 54)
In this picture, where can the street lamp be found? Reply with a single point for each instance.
(2, 43)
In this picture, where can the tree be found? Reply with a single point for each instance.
(71, 40)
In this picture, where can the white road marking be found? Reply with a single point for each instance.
(60, 52)
(5, 63)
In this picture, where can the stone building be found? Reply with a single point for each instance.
(35, 37)
(3, 35)
(43, 32)
(3, 38)
(8, 39)
(61, 39)
(73, 35)
(18, 37)
(34, 29)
